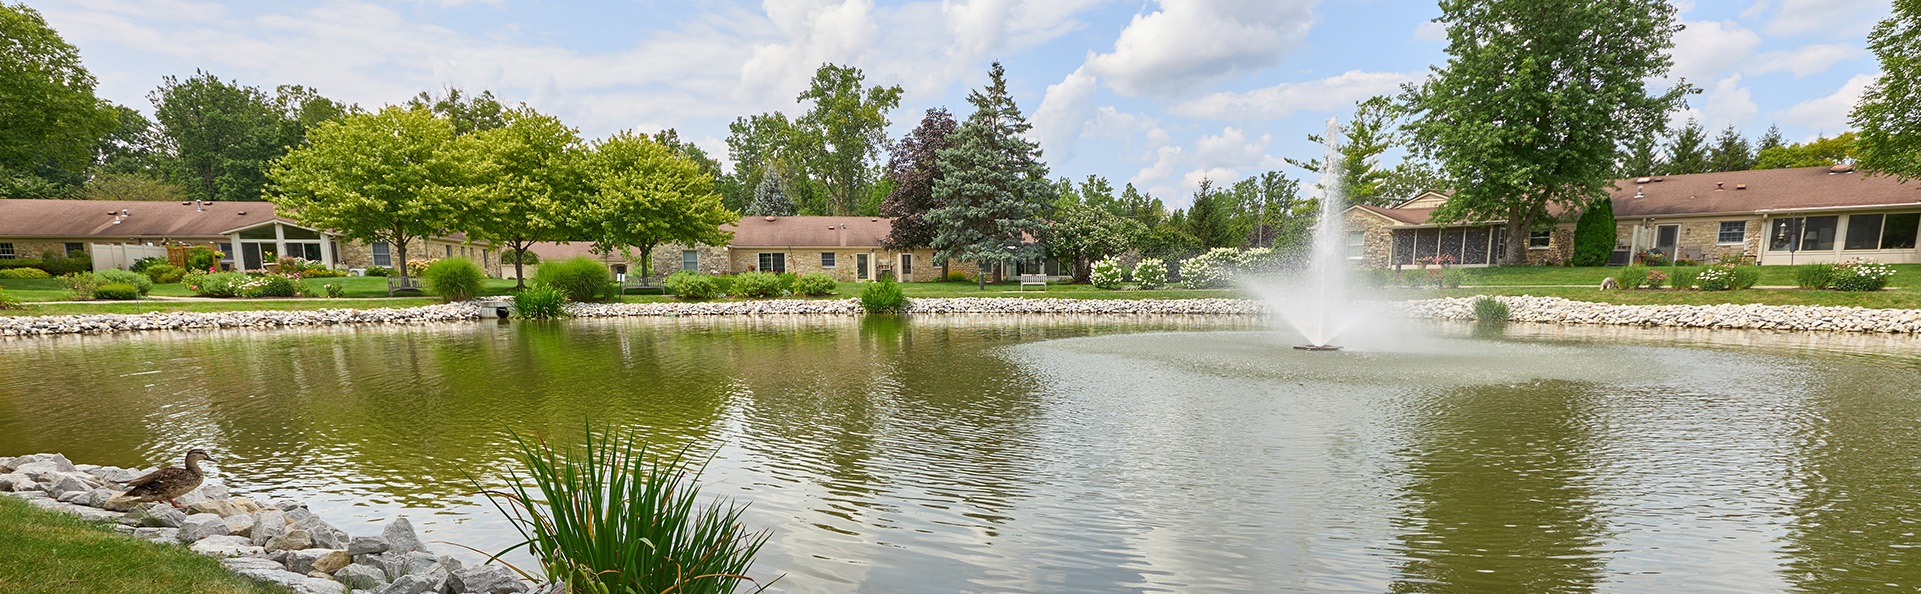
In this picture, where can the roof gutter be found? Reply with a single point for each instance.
(1834, 208)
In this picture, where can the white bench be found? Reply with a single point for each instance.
(1033, 280)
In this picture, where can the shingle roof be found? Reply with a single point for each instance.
(810, 231)
(1765, 190)
(144, 219)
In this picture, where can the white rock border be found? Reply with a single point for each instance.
(1557, 310)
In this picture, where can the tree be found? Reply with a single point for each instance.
(1594, 234)
(224, 135)
(770, 199)
(993, 186)
(1889, 113)
(469, 113)
(1688, 151)
(1528, 111)
(1410, 178)
(1083, 234)
(372, 177)
(1820, 152)
(1272, 210)
(1770, 140)
(1210, 218)
(130, 186)
(1372, 132)
(49, 116)
(914, 167)
(521, 182)
(643, 194)
(839, 138)
(1731, 152)
(1641, 158)
(133, 147)
(1142, 208)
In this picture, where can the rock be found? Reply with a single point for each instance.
(450, 563)
(222, 508)
(226, 546)
(401, 537)
(122, 503)
(366, 545)
(248, 506)
(271, 574)
(286, 504)
(361, 577)
(332, 562)
(27, 494)
(321, 574)
(399, 564)
(292, 540)
(85, 513)
(50, 462)
(416, 583)
(99, 498)
(167, 536)
(113, 474)
(75, 497)
(198, 526)
(18, 481)
(486, 579)
(268, 524)
(240, 525)
(207, 491)
(70, 483)
(297, 514)
(324, 534)
(302, 561)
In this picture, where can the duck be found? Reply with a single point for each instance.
(168, 483)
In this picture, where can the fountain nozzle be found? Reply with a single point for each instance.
(1316, 347)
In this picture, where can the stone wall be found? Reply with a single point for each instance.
(32, 249)
(808, 260)
(1559, 250)
(1377, 241)
(354, 254)
(1702, 234)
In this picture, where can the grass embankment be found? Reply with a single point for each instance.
(53, 553)
(1582, 284)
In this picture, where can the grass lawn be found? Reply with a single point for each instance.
(1896, 298)
(48, 289)
(53, 553)
(1905, 274)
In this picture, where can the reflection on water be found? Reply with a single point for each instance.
(1008, 453)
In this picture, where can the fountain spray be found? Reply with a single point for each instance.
(1319, 311)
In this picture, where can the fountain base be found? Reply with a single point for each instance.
(1316, 347)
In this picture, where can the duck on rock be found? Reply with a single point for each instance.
(168, 483)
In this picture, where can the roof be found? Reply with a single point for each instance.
(143, 219)
(862, 232)
(1758, 191)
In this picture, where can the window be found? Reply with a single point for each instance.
(690, 260)
(1732, 233)
(292, 232)
(486, 257)
(383, 254)
(1539, 239)
(6, 251)
(1897, 232)
(1864, 232)
(1356, 245)
(74, 247)
(450, 250)
(774, 262)
(226, 251)
(827, 260)
(906, 264)
(620, 270)
(261, 232)
(1805, 234)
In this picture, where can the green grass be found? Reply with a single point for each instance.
(136, 307)
(52, 553)
(1905, 274)
(1902, 298)
(49, 289)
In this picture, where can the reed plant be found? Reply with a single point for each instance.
(540, 301)
(1488, 310)
(611, 517)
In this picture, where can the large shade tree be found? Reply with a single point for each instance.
(372, 177)
(915, 168)
(993, 187)
(224, 135)
(1889, 114)
(1083, 234)
(520, 181)
(642, 194)
(1528, 112)
(839, 138)
(49, 116)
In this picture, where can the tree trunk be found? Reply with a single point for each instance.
(520, 273)
(646, 261)
(980, 273)
(1081, 270)
(1516, 241)
(400, 249)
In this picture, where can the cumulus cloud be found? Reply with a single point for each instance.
(1221, 176)
(1708, 50)
(1166, 158)
(1730, 103)
(1281, 101)
(1431, 31)
(812, 32)
(1805, 60)
(1830, 114)
(1187, 42)
(1231, 148)
(1063, 114)
(1834, 17)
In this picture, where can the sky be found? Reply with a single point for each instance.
(1157, 93)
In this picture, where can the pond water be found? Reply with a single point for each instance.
(1045, 454)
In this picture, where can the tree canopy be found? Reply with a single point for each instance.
(838, 139)
(372, 177)
(1889, 113)
(224, 135)
(521, 181)
(1373, 130)
(1818, 152)
(1688, 150)
(49, 116)
(914, 168)
(993, 186)
(642, 194)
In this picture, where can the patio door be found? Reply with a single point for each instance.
(906, 267)
(1667, 238)
(860, 266)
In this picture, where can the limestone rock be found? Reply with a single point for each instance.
(222, 508)
(321, 575)
(302, 561)
(399, 564)
(198, 526)
(226, 546)
(268, 573)
(248, 506)
(366, 545)
(324, 534)
(158, 535)
(121, 503)
(268, 524)
(291, 541)
(401, 537)
(17, 481)
(332, 562)
(417, 583)
(114, 474)
(486, 579)
(361, 577)
(240, 525)
(69, 483)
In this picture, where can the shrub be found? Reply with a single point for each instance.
(270, 285)
(1862, 275)
(1151, 273)
(322, 273)
(417, 267)
(883, 296)
(723, 284)
(58, 266)
(21, 263)
(1814, 276)
(1452, 278)
(115, 275)
(815, 285)
(80, 285)
(379, 271)
(1211, 270)
(1488, 309)
(202, 258)
(691, 285)
(1653, 258)
(1106, 274)
(24, 273)
(956, 276)
(333, 291)
(216, 284)
(1718, 277)
(540, 301)
(580, 278)
(787, 280)
(1656, 279)
(1686, 262)
(1594, 234)
(1634, 277)
(1684, 277)
(116, 292)
(1734, 258)
(610, 516)
(757, 284)
(1745, 277)
(143, 264)
(11, 302)
(159, 273)
(454, 279)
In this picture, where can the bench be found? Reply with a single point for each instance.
(404, 283)
(644, 283)
(1033, 280)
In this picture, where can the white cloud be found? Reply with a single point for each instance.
(1114, 123)
(1829, 114)
(812, 32)
(1730, 103)
(1431, 31)
(1187, 42)
(1832, 17)
(1230, 148)
(1281, 101)
(1709, 50)
(1221, 176)
(1754, 11)
(1806, 60)
(1062, 116)
(1165, 159)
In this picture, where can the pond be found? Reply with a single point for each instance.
(1059, 453)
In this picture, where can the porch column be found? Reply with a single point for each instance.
(233, 245)
(327, 250)
(280, 247)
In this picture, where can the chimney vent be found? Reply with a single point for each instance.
(770, 219)
(1740, 186)
(1718, 186)
(1842, 168)
(1637, 191)
(1641, 180)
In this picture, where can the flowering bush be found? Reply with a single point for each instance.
(1151, 273)
(1652, 258)
(1861, 275)
(416, 267)
(139, 281)
(1211, 270)
(334, 291)
(271, 285)
(1106, 274)
(1656, 279)
(215, 284)
(1719, 277)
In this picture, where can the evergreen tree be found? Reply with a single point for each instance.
(1688, 152)
(770, 199)
(914, 168)
(1210, 219)
(1594, 234)
(1731, 152)
(1772, 139)
(993, 187)
(1641, 158)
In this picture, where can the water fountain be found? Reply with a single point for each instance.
(1317, 304)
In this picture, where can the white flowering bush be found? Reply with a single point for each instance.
(1861, 275)
(1719, 277)
(1151, 273)
(1211, 270)
(1106, 274)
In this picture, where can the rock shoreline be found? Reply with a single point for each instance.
(1550, 310)
(278, 544)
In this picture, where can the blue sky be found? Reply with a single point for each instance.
(1160, 93)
